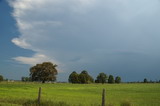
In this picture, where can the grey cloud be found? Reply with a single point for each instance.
(112, 36)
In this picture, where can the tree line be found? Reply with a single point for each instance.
(47, 71)
(85, 78)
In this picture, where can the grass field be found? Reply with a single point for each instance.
(18, 94)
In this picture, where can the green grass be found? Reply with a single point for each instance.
(18, 94)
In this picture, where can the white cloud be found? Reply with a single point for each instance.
(37, 21)
(21, 43)
(37, 58)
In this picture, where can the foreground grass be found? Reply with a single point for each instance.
(19, 94)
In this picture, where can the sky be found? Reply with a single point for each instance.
(118, 37)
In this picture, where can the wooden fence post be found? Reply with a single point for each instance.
(103, 97)
(39, 95)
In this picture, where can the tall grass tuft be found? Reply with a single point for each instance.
(109, 105)
(126, 103)
(44, 103)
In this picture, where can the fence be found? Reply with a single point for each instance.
(103, 96)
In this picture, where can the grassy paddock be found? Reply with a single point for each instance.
(18, 94)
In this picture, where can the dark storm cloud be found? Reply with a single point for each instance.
(112, 36)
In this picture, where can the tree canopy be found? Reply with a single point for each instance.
(145, 80)
(1, 78)
(83, 77)
(73, 77)
(101, 78)
(43, 72)
(118, 79)
(111, 79)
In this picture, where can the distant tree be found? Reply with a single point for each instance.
(91, 79)
(118, 79)
(6, 79)
(111, 79)
(73, 77)
(1, 78)
(101, 78)
(25, 79)
(145, 80)
(43, 72)
(85, 78)
(28, 79)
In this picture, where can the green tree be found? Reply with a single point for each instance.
(85, 78)
(1, 78)
(118, 79)
(73, 77)
(43, 72)
(25, 79)
(101, 78)
(111, 79)
(145, 80)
